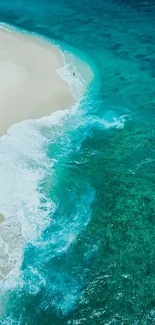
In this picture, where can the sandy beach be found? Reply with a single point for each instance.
(30, 86)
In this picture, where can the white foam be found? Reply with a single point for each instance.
(23, 165)
(76, 72)
(23, 162)
(7, 27)
(116, 122)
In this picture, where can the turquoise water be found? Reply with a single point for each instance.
(87, 198)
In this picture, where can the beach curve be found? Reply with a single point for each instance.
(31, 87)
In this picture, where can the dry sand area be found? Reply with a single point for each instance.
(30, 86)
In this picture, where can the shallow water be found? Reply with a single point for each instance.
(85, 192)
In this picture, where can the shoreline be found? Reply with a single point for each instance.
(29, 79)
(31, 87)
(38, 85)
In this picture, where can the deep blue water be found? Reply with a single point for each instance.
(94, 261)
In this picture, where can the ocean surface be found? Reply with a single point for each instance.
(81, 183)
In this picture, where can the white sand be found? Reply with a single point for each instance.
(30, 86)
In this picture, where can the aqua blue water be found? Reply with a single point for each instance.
(88, 192)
